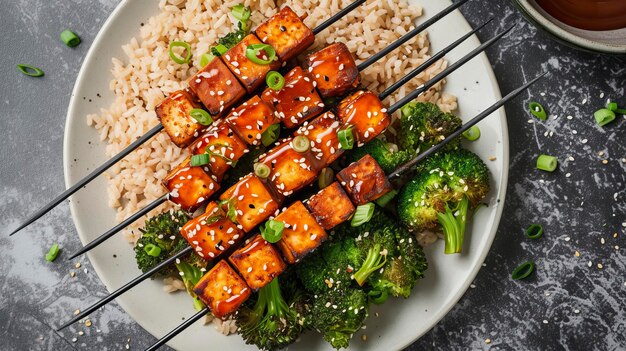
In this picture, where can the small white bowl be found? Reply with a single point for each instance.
(609, 42)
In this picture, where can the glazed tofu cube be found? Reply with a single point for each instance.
(364, 111)
(301, 235)
(290, 170)
(217, 87)
(364, 180)
(222, 290)
(331, 206)
(258, 262)
(173, 112)
(190, 187)
(297, 101)
(333, 69)
(252, 202)
(322, 132)
(211, 233)
(251, 119)
(223, 145)
(286, 33)
(250, 74)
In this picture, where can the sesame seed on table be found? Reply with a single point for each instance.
(575, 300)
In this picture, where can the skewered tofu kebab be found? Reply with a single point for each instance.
(252, 200)
(284, 32)
(226, 286)
(328, 72)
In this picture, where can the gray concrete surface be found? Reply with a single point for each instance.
(573, 302)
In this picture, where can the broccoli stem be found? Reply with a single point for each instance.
(276, 305)
(453, 223)
(373, 261)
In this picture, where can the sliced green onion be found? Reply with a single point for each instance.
(270, 135)
(152, 250)
(385, 199)
(221, 49)
(363, 214)
(538, 111)
(205, 59)
(52, 253)
(275, 80)
(327, 176)
(201, 116)
(612, 106)
(272, 231)
(241, 12)
(262, 170)
(253, 51)
(69, 38)
(187, 51)
(378, 297)
(472, 134)
(604, 116)
(523, 271)
(547, 163)
(30, 70)
(535, 231)
(346, 138)
(200, 160)
(231, 211)
(301, 143)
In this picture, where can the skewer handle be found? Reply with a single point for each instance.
(178, 329)
(120, 226)
(126, 287)
(409, 165)
(96, 172)
(410, 35)
(336, 17)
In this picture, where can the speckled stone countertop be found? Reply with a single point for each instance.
(575, 301)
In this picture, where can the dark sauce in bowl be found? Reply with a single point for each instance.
(595, 15)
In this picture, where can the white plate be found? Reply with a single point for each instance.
(400, 321)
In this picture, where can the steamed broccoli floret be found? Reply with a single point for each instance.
(382, 153)
(229, 40)
(447, 187)
(339, 313)
(271, 323)
(423, 125)
(160, 240)
(329, 266)
(402, 271)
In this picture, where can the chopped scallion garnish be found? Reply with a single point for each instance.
(241, 12)
(346, 138)
(261, 54)
(363, 214)
(52, 253)
(272, 231)
(547, 163)
(275, 80)
(604, 116)
(538, 111)
(262, 170)
(69, 38)
(270, 135)
(205, 59)
(472, 134)
(523, 271)
(30, 70)
(385, 199)
(152, 250)
(201, 116)
(301, 143)
(186, 51)
(535, 231)
(200, 160)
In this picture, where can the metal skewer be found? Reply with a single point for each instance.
(382, 96)
(154, 131)
(395, 174)
(146, 275)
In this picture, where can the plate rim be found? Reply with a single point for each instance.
(445, 309)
